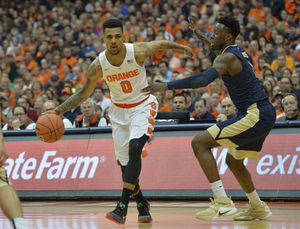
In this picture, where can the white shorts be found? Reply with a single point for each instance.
(132, 123)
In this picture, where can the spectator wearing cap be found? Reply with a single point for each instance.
(293, 36)
(165, 72)
(158, 78)
(151, 69)
(209, 106)
(89, 117)
(54, 82)
(21, 121)
(189, 105)
(290, 103)
(76, 52)
(201, 110)
(99, 98)
(25, 102)
(65, 94)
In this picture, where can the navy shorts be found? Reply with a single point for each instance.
(246, 133)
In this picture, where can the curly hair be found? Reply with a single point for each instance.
(233, 25)
(112, 23)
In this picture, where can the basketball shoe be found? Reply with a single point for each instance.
(144, 215)
(222, 206)
(118, 215)
(260, 212)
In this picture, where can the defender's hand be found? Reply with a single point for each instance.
(195, 30)
(155, 87)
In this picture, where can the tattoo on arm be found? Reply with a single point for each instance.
(79, 97)
(171, 46)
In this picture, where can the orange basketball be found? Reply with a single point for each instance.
(49, 128)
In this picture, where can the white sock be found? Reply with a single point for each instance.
(254, 198)
(218, 188)
(18, 223)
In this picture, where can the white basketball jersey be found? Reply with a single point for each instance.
(126, 81)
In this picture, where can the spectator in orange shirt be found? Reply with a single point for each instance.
(68, 59)
(29, 62)
(254, 50)
(16, 93)
(128, 29)
(258, 11)
(26, 45)
(37, 88)
(262, 28)
(289, 62)
(78, 77)
(193, 44)
(179, 40)
(44, 75)
(172, 25)
(181, 68)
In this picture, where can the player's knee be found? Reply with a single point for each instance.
(135, 148)
(197, 143)
(234, 164)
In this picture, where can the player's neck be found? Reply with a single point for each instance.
(116, 60)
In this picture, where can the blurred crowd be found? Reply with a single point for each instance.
(46, 47)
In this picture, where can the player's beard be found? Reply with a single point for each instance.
(114, 53)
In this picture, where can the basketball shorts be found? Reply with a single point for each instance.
(245, 134)
(3, 177)
(131, 121)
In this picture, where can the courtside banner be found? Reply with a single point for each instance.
(90, 164)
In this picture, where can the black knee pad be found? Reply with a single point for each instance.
(136, 146)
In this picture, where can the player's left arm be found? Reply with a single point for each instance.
(144, 50)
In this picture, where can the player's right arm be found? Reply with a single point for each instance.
(94, 72)
(3, 152)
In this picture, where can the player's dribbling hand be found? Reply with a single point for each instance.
(3, 154)
(155, 87)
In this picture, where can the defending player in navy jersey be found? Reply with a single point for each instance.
(244, 135)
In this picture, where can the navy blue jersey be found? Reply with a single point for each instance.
(244, 88)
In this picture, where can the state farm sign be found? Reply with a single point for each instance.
(171, 164)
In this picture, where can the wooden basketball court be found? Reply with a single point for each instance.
(166, 214)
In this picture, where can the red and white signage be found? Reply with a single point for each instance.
(171, 164)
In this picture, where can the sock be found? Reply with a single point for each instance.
(126, 196)
(139, 197)
(18, 223)
(218, 188)
(254, 198)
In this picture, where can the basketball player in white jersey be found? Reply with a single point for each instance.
(9, 200)
(132, 113)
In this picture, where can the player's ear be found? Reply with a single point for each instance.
(228, 37)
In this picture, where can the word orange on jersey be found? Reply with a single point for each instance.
(123, 75)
